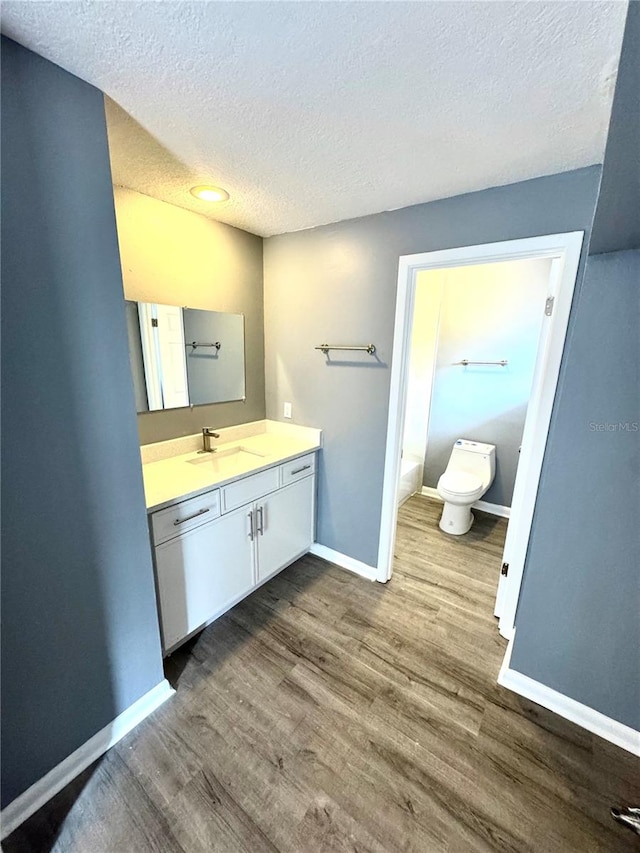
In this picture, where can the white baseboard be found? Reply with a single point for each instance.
(483, 506)
(428, 492)
(55, 780)
(582, 715)
(493, 509)
(348, 563)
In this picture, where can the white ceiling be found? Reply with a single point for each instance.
(313, 112)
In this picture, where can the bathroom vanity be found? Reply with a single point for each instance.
(224, 523)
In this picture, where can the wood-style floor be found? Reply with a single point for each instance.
(328, 713)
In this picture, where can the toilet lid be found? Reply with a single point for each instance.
(460, 482)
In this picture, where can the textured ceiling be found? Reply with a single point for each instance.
(313, 112)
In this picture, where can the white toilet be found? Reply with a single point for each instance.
(470, 472)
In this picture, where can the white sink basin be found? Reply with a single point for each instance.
(234, 454)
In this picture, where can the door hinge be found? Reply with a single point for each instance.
(548, 306)
(505, 569)
(154, 322)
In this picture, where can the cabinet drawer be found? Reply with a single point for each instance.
(297, 468)
(176, 519)
(248, 489)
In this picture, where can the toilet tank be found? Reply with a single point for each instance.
(475, 458)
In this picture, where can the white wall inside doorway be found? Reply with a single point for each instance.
(424, 342)
(482, 312)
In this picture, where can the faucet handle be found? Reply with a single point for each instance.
(209, 431)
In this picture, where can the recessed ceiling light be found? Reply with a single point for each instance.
(206, 193)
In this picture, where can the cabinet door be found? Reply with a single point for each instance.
(203, 573)
(285, 526)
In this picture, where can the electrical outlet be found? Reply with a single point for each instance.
(287, 410)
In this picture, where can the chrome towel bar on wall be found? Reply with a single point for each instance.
(195, 345)
(503, 363)
(370, 348)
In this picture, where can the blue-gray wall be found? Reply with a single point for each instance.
(80, 638)
(337, 283)
(617, 221)
(577, 625)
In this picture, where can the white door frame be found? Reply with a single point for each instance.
(564, 251)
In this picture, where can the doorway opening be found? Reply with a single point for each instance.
(450, 299)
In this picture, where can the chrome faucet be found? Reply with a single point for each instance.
(207, 435)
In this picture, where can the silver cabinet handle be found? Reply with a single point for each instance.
(189, 517)
(260, 512)
(251, 533)
(300, 470)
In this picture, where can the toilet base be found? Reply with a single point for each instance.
(456, 519)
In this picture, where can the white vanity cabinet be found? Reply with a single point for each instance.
(283, 527)
(202, 573)
(234, 539)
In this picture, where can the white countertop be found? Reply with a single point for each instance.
(172, 478)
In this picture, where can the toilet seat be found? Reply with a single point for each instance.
(460, 483)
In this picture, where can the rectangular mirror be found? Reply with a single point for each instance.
(184, 356)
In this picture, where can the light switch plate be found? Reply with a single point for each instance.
(287, 410)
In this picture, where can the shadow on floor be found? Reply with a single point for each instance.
(40, 832)
(215, 643)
